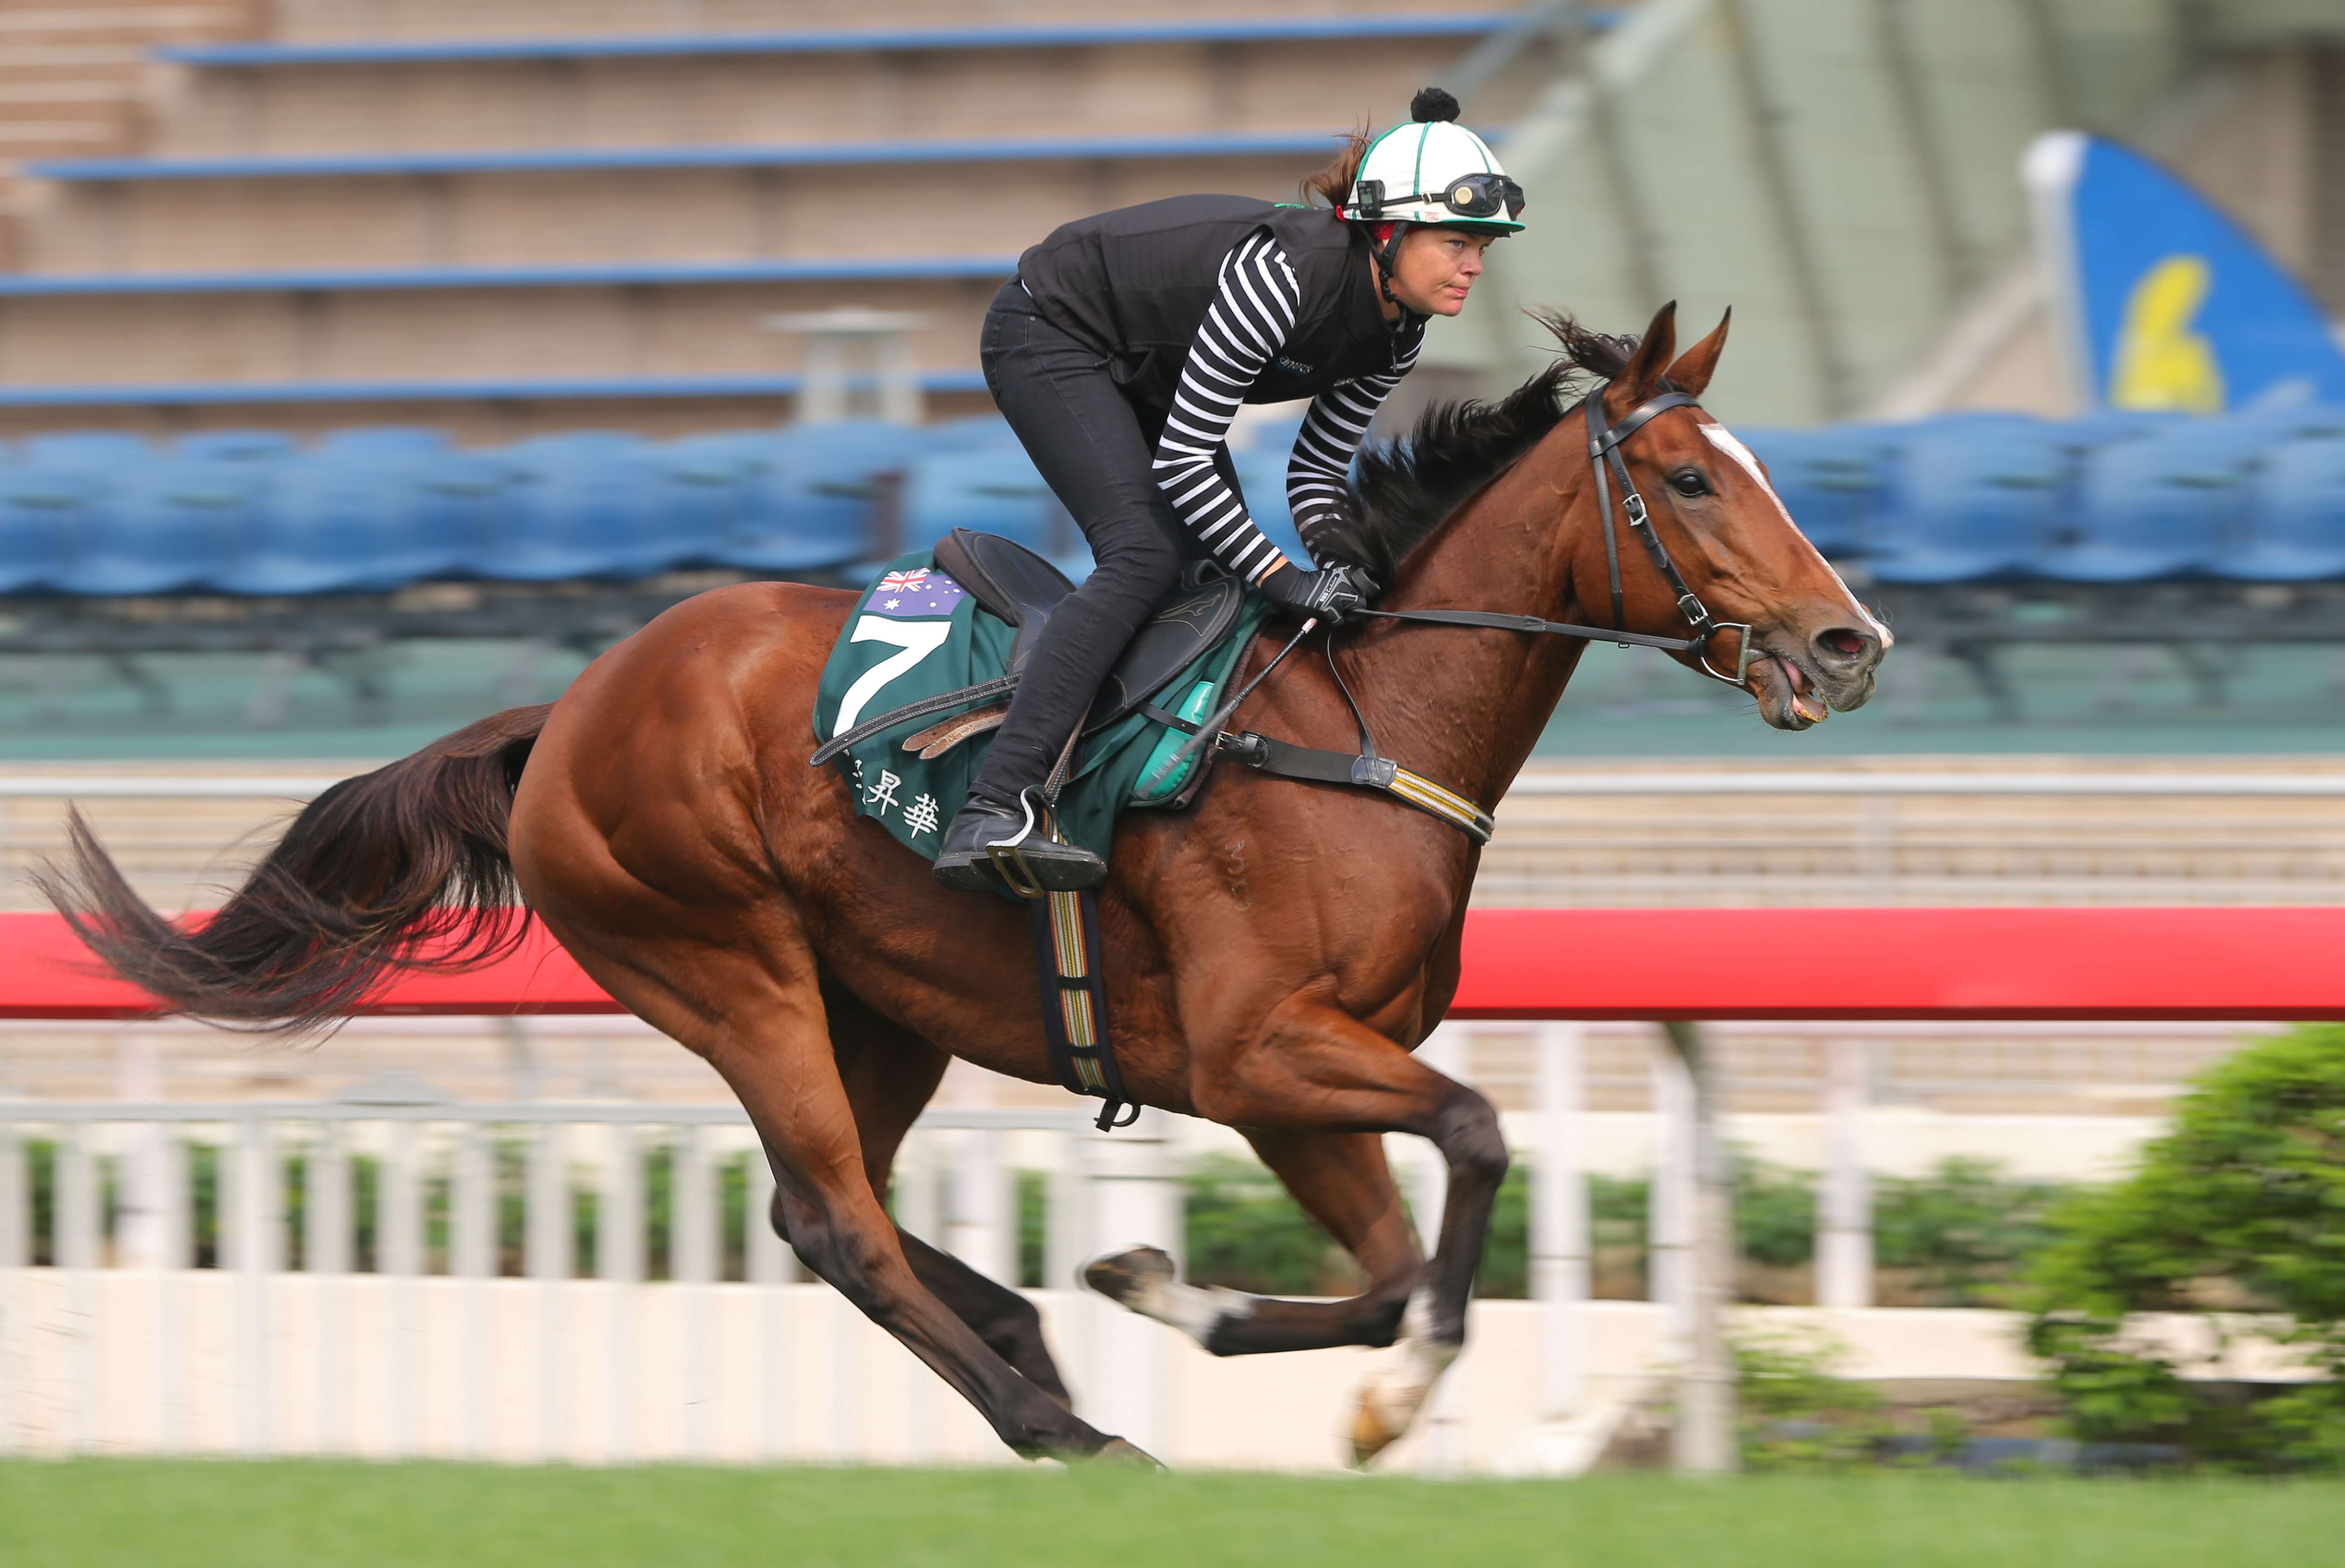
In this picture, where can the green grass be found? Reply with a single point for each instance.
(156, 1514)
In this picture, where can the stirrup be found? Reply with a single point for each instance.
(1009, 859)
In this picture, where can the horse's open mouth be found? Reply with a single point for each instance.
(1806, 704)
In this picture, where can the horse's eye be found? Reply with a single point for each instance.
(1689, 481)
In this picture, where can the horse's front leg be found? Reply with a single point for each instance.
(1341, 1180)
(1314, 1068)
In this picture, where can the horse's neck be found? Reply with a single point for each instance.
(1466, 707)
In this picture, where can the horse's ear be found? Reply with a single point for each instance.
(1640, 378)
(1695, 367)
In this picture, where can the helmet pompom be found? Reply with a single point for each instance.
(1432, 103)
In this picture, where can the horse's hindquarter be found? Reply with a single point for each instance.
(638, 828)
(668, 824)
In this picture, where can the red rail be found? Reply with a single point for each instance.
(2211, 964)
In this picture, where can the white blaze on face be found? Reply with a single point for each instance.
(1725, 441)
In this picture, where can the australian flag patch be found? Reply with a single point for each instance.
(916, 595)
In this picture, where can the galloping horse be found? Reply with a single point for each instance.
(1276, 952)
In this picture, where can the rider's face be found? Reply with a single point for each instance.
(1435, 268)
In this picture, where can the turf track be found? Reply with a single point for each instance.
(160, 1514)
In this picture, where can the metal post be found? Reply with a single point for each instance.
(1669, 1217)
(326, 1258)
(15, 1253)
(257, 1217)
(1135, 1198)
(1704, 1438)
(982, 1208)
(547, 1257)
(1844, 1205)
(1440, 1450)
(693, 1263)
(619, 1262)
(767, 1263)
(398, 1231)
(1560, 1232)
(138, 1079)
(75, 1246)
(473, 1212)
(176, 1227)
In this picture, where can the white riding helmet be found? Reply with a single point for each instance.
(1432, 170)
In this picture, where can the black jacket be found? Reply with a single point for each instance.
(1135, 284)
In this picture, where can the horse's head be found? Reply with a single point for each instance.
(1815, 646)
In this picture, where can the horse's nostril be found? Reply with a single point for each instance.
(1843, 641)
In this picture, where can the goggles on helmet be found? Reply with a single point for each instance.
(1468, 196)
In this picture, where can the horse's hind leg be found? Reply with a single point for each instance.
(1342, 1181)
(753, 1009)
(890, 1073)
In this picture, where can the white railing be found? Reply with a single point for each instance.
(120, 1344)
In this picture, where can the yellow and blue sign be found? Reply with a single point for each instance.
(2163, 301)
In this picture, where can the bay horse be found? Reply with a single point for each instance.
(1274, 953)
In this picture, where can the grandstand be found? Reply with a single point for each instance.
(354, 323)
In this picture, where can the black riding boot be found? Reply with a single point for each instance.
(967, 860)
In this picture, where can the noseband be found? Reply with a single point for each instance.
(1604, 443)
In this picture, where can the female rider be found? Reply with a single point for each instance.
(1119, 355)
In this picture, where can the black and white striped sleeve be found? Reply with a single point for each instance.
(1318, 475)
(1244, 328)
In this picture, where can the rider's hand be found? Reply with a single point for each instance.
(1330, 594)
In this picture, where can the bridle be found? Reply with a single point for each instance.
(1604, 443)
(1367, 768)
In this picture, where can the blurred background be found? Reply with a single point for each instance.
(367, 366)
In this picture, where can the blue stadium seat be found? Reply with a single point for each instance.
(328, 523)
(972, 433)
(238, 446)
(709, 486)
(41, 513)
(992, 493)
(104, 452)
(2292, 528)
(1976, 497)
(579, 504)
(1832, 480)
(163, 526)
(1261, 480)
(817, 506)
(2153, 507)
(406, 440)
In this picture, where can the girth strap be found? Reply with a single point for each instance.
(1067, 954)
(1283, 759)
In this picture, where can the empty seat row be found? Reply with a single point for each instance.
(2123, 497)
(254, 512)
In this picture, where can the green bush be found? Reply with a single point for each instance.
(2240, 1207)
(1795, 1413)
(1966, 1230)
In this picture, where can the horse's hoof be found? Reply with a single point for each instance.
(1371, 1434)
(1117, 1452)
(1130, 1276)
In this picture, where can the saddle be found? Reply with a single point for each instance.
(1022, 588)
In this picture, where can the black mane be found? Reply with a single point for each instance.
(1404, 489)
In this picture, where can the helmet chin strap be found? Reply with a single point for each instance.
(1386, 252)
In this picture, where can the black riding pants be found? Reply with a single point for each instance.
(1092, 446)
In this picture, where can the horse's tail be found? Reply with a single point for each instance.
(369, 873)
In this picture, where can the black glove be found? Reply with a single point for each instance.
(1330, 594)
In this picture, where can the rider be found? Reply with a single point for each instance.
(1119, 355)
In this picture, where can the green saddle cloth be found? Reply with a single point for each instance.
(916, 633)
